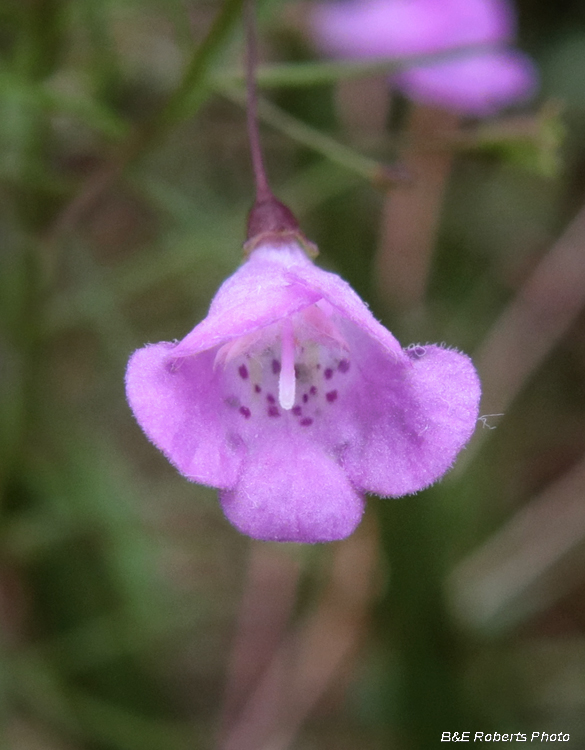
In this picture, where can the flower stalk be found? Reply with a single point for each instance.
(268, 218)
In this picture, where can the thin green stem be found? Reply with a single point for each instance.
(430, 695)
(191, 92)
(104, 68)
(316, 73)
(337, 152)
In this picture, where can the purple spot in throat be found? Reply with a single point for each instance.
(257, 388)
(234, 440)
(305, 398)
(243, 370)
(313, 390)
(343, 366)
(275, 366)
(270, 398)
(331, 396)
(328, 373)
(273, 411)
(245, 412)
(306, 422)
(296, 410)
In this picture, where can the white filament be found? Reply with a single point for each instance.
(287, 380)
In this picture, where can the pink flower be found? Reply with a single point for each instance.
(478, 85)
(294, 401)
(474, 83)
(397, 28)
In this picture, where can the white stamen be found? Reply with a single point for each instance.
(287, 381)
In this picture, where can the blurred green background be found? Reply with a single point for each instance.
(132, 616)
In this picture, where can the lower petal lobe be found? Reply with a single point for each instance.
(293, 492)
(411, 421)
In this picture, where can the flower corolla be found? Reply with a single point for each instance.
(478, 85)
(472, 82)
(293, 401)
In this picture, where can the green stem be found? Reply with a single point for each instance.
(192, 90)
(323, 144)
(302, 74)
(104, 68)
(430, 696)
(316, 73)
(41, 38)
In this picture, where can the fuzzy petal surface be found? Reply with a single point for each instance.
(340, 295)
(180, 407)
(294, 492)
(410, 423)
(256, 295)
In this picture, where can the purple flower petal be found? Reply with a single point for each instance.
(412, 425)
(477, 85)
(397, 28)
(256, 295)
(338, 293)
(298, 494)
(179, 404)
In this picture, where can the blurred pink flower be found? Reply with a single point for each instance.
(473, 83)
(294, 401)
(396, 28)
(477, 85)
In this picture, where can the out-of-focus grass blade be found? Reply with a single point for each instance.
(92, 719)
(531, 562)
(88, 483)
(97, 303)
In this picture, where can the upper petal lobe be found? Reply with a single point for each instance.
(256, 295)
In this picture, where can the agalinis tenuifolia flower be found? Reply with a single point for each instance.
(290, 397)
(294, 401)
(476, 83)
